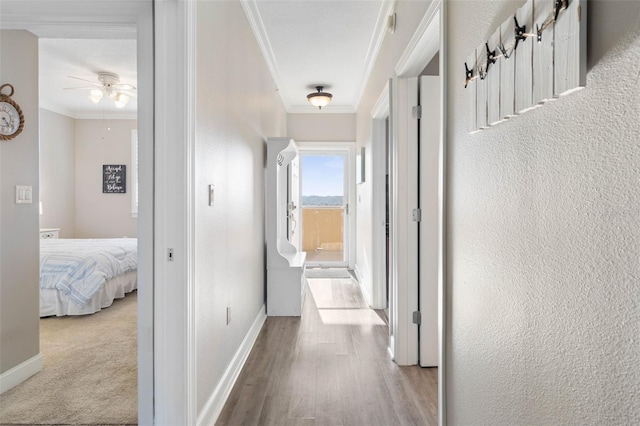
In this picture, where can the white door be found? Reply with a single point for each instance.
(428, 181)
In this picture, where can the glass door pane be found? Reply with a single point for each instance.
(323, 209)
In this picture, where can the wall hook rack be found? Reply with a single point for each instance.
(540, 72)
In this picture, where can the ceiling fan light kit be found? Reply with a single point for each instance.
(319, 99)
(111, 87)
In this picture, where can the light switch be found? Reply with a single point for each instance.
(24, 194)
(211, 195)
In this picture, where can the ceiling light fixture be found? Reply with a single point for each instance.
(319, 98)
(109, 85)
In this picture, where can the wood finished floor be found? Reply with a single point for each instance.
(330, 367)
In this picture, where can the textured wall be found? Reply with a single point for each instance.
(101, 215)
(544, 239)
(19, 238)
(58, 172)
(237, 109)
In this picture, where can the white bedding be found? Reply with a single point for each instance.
(82, 276)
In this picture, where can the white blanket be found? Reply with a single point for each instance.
(79, 267)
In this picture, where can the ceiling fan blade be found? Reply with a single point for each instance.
(124, 86)
(81, 88)
(95, 83)
(130, 93)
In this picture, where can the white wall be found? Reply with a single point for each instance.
(99, 215)
(409, 14)
(58, 172)
(237, 108)
(19, 238)
(323, 127)
(544, 239)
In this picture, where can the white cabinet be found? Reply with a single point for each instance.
(49, 233)
(286, 284)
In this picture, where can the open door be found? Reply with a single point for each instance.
(428, 244)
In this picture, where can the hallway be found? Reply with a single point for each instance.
(329, 367)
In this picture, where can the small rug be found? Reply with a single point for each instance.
(328, 273)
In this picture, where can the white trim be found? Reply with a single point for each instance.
(340, 148)
(424, 43)
(442, 237)
(364, 288)
(134, 173)
(214, 405)
(421, 49)
(174, 335)
(380, 110)
(379, 114)
(87, 116)
(108, 116)
(374, 47)
(257, 26)
(21, 372)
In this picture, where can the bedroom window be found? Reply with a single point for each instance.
(134, 173)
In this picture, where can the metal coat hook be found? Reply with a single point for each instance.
(468, 75)
(520, 32)
(491, 56)
(560, 5)
(504, 51)
(482, 73)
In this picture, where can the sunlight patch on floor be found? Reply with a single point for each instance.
(350, 317)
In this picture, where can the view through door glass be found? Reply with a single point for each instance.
(323, 209)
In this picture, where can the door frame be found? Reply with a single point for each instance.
(88, 19)
(379, 133)
(429, 38)
(337, 147)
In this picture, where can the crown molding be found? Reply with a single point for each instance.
(90, 115)
(374, 47)
(252, 13)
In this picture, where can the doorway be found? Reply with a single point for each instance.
(326, 217)
(99, 19)
(324, 208)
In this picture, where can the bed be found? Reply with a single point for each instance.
(82, 276)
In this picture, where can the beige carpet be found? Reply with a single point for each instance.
(89, 374)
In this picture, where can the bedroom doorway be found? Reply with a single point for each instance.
(55, 20)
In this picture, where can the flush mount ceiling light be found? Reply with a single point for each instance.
(109, 85)
(319, 98)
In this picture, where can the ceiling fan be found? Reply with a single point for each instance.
(108, 84)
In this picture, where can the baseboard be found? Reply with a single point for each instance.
(215, 403)
(368, 297)
(20, 373)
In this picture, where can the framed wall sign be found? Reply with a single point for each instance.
(114, 178)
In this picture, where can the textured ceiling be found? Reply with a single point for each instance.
(308, 43)
(305, 43)
(84, 58)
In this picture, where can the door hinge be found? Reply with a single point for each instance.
(417, 317)
(417, 215)
(417, 112)
(346, 209)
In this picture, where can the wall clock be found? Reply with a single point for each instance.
(11, 117)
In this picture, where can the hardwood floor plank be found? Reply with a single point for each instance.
(330, 367)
